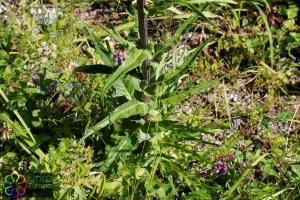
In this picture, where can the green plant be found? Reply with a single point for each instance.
(71, 165)
(156, 142)
(181, 136)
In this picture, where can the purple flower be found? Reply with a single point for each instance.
(118, 57)
(220, 168)
(202, 172)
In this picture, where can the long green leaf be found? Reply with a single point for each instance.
(112, 31)
(163, 5)
(101, 69)
(136, 57)
(17, 114)
(174, 40)
(104, 54)
(272, 197)
(101, 184)
(126, 110)
(198, 12)
(123, 26)
(176, 97)
(268, 31)
(182, 69)
(23, 135)
(101, 50)
(93, 69)
(123, 149)
(158, 6)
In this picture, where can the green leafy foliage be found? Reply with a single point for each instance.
(223, 112)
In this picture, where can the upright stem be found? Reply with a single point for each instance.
(143, 30)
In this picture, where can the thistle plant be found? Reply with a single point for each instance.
(144, 108)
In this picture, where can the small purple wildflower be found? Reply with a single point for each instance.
(220, 168)
(118, 57)
(203, 172)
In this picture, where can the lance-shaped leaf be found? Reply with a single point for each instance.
(93, 69)
(182, 69)
(130, 108)
(30, 144)
(268, 29)
(176, 97)
(105, 55)
(158, 6)
(114, 33)
(174, 40)
(136, 57)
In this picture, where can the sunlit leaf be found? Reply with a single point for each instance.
(126, 110)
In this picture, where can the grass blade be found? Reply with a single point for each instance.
(182, 69)
(179, 32)
(17, 114)
(268, 31)
(244, 175)
(20, 131)
(177, 97)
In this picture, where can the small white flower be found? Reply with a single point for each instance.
(44, 44)
(107, 38)
(44, 60)
(54, 55)
(32, 11)
(30, 84)
(2, 8)
(40, 50)
(73, 65)
(1, 162)
(46, 48)
(54, 47)
(37, 31)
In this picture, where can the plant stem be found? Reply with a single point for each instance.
(143, 30)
